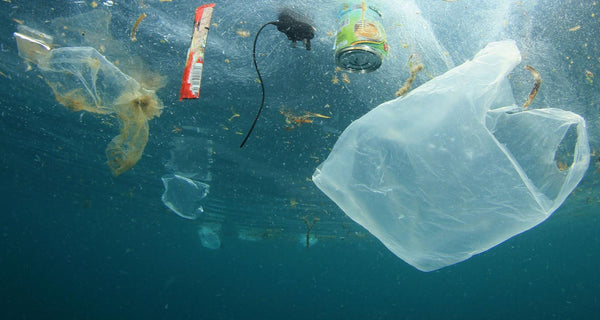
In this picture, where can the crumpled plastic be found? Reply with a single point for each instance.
(455, 167)
(82, 79)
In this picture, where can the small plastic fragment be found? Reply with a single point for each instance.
(210, 235)
(184, 196)
(32, 44)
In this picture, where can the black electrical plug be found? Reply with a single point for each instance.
(295, 27)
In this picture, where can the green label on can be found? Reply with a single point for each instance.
(360, 29)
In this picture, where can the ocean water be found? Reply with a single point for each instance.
(77, 242)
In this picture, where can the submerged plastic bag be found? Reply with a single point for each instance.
(84, 80)
(184, 196)
(455, 167)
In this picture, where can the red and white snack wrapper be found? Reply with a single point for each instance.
(192, 74)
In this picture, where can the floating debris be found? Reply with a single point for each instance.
(589, 76)
(135, 26)
(234, 115)
(243, 33)
(536, 85)
(345, 78)
(292, 120)
(408, 83)
(192, 73)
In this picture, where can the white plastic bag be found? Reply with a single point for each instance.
(455, 167)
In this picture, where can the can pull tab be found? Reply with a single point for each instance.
(295, 27)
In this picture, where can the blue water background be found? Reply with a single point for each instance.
(78, 243)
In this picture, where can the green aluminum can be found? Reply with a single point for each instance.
(360, 43)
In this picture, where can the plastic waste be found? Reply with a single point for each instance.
(191, 157)
(192, 74)
(209, 234)
(455, 167)
(84, 80)
(184, 196)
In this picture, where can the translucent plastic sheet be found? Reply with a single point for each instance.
(210, 235)
(187, 187)
(84, 80)
(455, 168)
(191, 156)
(184, 196)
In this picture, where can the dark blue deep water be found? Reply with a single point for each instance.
(77, 242)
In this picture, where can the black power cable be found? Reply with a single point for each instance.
(262, 86)
(295, 29)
